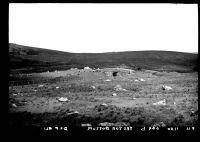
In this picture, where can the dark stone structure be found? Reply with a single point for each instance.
(115, 73)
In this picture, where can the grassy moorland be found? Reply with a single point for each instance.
(134, 106)
(33, 91)
(30, 59)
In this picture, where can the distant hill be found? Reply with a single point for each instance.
(31, 59)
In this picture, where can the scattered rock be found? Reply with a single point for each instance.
(118, 124)
(142, 79)
(193, 113)
(106, 124)
(164, 87)
(86, 125)
(121, 124)
(162, 102)
(75, 112)
(160, 124)
(104, 104)
(114, 94)
(62, 99)
(14, 105)
(86, 68)
(119, 88)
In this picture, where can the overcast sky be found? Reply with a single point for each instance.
(105, 27)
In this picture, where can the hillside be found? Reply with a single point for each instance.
(31, 59)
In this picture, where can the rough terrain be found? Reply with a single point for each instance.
(96, 96)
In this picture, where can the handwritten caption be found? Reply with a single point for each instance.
(118, 128)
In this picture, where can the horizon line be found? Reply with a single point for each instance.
(101, 52)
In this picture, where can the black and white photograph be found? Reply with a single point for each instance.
(78, 68)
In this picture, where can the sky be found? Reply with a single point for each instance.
(97, 28)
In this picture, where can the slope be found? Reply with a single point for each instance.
(31, 59)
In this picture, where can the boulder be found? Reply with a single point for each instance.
(75, 112)
(114, 94)
(62, 99)
(164, 87)
(104, 104)
(142, 79)
(162, 102)
(14, 105)
(41, 85)
(86, 68)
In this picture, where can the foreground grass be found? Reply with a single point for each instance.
(136, 117)
(40, 107)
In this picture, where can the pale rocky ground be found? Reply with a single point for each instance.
(129, 105)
